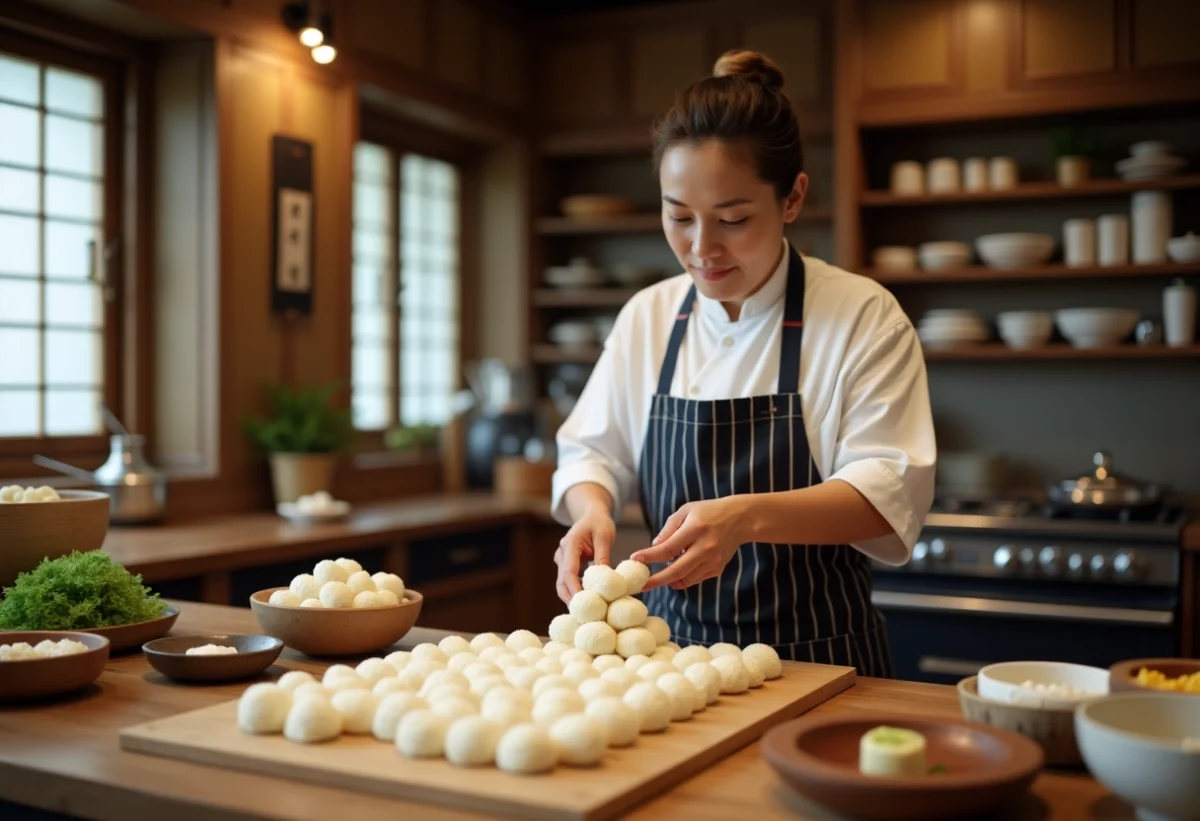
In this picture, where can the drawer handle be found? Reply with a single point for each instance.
(464, 555)
(949, 667)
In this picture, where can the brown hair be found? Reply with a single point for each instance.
(743, 101)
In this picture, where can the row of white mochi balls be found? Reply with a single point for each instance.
(513, 702)
(340, 583)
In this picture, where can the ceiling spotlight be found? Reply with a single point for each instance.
(312, 36)
(324, 53)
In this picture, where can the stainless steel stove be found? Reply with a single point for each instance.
(1009, 579)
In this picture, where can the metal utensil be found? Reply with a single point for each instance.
(1104, 489)
(137, 490)
(63, 467)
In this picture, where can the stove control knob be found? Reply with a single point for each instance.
(1004, 558)
(1126, 566)
(1027, 558)
(920, 552)
(1076, 564)
(1098, 565)
(1051, 560)
(938, 550)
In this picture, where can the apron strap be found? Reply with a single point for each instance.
(793, 331)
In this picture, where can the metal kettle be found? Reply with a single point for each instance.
(136, 489)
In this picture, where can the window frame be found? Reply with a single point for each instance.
(402, 138)
(111, 73)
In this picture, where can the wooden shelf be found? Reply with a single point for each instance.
(642, 223)
(597, 142)
(582, 297)
(1046, 272)
(997, 351)
(546, 354)
(1031, 191)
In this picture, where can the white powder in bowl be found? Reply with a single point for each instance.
(212, 650)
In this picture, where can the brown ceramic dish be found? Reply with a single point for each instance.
(336, 631)
(40, 678)
(1052, 729)
(1122, 676)
(254, 654)
(986, 767)
(129, 636)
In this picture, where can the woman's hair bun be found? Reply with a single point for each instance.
(751, 65)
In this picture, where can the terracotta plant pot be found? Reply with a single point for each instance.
(298, 474)
(1072, 171)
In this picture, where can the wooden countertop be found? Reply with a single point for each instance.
(64, 756)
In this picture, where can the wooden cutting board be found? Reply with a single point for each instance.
(625, 778)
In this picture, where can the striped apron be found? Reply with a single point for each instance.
(809, 602)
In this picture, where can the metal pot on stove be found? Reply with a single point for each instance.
(1104, 490)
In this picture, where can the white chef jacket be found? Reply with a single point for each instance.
(863, 390)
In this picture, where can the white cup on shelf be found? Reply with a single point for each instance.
(1179, 314)
(975, 174)
(1113, 231)
(1153, 214)
(1002, 173)
(1079, 243)
(908, 179)
(943, 176)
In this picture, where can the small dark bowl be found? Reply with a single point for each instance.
(255, 653)
(41, 678)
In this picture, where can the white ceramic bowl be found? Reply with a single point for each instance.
(1015, 250)
(894, 258)
(1022, 330)
(574, 332)
(1184, 249)
(1005, 683)
(943, 256)
(574, 276)
(1096, 327)
(1145, 747)
(1150, 148)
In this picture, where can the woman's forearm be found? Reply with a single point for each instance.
(587, 497)
(832, 512)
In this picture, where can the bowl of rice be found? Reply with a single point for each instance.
(1049, 684)
(44, 663)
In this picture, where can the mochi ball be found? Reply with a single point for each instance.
(553, 649)
(635, 575)
(562, 629)
(349, 565)
(627, 612)
(389, 582)
(596, 638)
(772, 666)
(373, 669)
(622, 678)
(429, 652)
(588, 605)
(519, 640)
(609, 661)
(552, 682)
(652, 670)
(313, 689)
(507, 714)
(659, 629)
(664, 653)
(355, 682)
(479, 669)
(461, 661)
(548, 665)
(284, 598)
(756, 670)
(386, 686)
(706, 678)
(724, 648)
(483, 641)
(391, 709)
(367, 599)
(653, 706)
(578, 671)
(683, 694)
(357, 708)
(581, 739)
(603, 580)
(531, 655)
(336, 594)
(444, 678)
(398, 659)
(573, 655)
(422, 734)
(337, 671)
(360, 582)
(386, 598)
(523, 678)
(471, 741)
(735, 678)
(452, 704)
(526, 749)
(482, 686)
(507, 695)
(621, 722)
(294, 678)
(328, 570)
(593, 688)
(635, 641)
(506, 660)
(635, 663)
(493, 652)
(311, 603)
(412, 677)
(672, 646)
(555, 704)
(312, 720)
(696, 654)
(263, 708)
(305, 586)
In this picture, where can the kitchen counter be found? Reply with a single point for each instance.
(64, 757)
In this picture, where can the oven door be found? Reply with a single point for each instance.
(942, 637)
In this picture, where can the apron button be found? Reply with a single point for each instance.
(695, 390)
(727, 342)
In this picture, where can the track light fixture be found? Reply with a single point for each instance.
(314, 25)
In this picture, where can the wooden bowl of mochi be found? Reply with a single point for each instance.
(608, 674)
(339, 609)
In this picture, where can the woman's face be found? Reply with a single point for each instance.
(723, 222)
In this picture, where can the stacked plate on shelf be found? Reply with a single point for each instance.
(578, 273)
(951, 328)
(1150, 159)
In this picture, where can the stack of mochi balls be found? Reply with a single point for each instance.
(609, 673)
(340, 583)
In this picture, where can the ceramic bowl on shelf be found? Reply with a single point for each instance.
(635, 276)
(1024, 330)
(1150, 148)
(1095, 327)
(1164, 675)
(592, 206)
(1014, 250)
(30, 532)
(572, 333)
(1047, 684)
(578, 273)
(894, 258)
(1148, 167)
(943, 256)
(1145, 748)
(336, 631)
(1185, 249)
(950, 327)
(1053, 728)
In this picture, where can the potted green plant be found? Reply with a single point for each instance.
(302, 438)
(1074, 150)
(413, 438)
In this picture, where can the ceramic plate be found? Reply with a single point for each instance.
(984, 766)
(336, 511)
(41, 678)
(1144, 168)
(128, 636)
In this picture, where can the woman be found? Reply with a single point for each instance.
(706, 403)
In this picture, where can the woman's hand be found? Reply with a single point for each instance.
(698, 540)
(591, 537)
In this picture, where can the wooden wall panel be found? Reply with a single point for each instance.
(392, 29)
(1166, 32)
(1064, 38)
(986, 51)
(579, 81)
(505, 76)
(907, 45)
(663, 63)
(796, 44)
(458, 44)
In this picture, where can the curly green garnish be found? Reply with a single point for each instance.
(79, 591)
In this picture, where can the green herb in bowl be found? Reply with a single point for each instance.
(77, 592)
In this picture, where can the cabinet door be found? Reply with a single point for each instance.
(662, 64)
(1060, 39)
(909, 48)
(579, 81)
(1165, 33)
